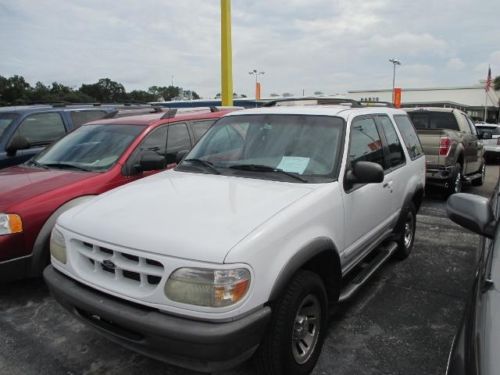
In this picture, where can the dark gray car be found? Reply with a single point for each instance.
(475, 346)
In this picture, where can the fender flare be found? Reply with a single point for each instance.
(301, 258)
(39, 254)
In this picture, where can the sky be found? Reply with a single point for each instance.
(302, 46)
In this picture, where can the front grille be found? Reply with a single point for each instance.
(118, 265)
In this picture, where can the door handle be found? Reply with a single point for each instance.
(387, 184)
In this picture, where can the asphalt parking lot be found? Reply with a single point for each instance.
(402, 322)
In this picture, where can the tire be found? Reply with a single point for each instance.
(293, 340)
(405, 237)
(455, 182)
(479, 181)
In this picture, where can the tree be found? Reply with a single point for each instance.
(274, 95)
(167, 93)
(496, 83)
(141, 96)
(318, 93)
(15, 90)
(286, 95)
(105, 91)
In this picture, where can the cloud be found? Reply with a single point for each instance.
(455, 63)
(315, 45)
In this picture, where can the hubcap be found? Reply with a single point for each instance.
(306, 329)
(408, 236)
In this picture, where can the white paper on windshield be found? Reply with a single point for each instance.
(294, 164)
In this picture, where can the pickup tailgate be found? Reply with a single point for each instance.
(431, 139)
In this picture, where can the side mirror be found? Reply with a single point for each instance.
(17, 142)
(364, 172)
(181, 155)
(150, 161)
(472, 212)
(486, 135)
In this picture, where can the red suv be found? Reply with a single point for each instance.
(91, 160)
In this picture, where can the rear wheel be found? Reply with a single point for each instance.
(295, 336)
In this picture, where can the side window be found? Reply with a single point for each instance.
(471, 125)
(178, 140)
(42, 128)
(396, 155)
(81, 117)
(155, 141)
(365, 143)
(412, 142)
(200, 127)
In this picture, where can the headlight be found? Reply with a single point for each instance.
(207, 287)
(57, 246)
(10, 223)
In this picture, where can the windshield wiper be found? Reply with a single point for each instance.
(265, 168)
(68, 165)
(204, 163)
(36, 164)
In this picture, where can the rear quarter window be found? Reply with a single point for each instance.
(410, 137)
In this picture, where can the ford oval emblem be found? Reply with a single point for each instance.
(109, 264)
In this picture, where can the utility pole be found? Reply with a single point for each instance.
(226, 54)
(257, 84)
(394, 62)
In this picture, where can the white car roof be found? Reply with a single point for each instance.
(319, 110)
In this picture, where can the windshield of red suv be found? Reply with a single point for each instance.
(295, 148)
(90, 148)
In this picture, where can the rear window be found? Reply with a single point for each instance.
(434, 120)
(494, 130)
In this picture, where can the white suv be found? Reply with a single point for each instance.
(275, 216)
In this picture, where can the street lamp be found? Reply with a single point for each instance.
(256, 73)
(394, 62)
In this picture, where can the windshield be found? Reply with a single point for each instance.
(5, 120)
(293, 148)
(90, 147)
(494, 130)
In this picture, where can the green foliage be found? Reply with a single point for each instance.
(15, 90)
(496, 83)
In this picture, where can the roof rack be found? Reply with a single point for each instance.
(376, 104)
(314, 101)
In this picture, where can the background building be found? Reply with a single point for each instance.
(471, 99)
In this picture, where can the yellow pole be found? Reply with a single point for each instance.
(226, 54)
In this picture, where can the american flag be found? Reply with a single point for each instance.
(487, 86)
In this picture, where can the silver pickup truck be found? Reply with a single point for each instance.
(451, 144)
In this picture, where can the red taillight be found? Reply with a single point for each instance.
(444, 146)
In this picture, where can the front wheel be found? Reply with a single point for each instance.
(293, 342)
(455, 182)
(480, 180)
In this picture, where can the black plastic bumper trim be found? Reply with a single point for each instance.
(201, 346)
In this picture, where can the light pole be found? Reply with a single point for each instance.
(256, 73)
(394, 62)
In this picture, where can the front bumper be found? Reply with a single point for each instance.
(197, 345)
